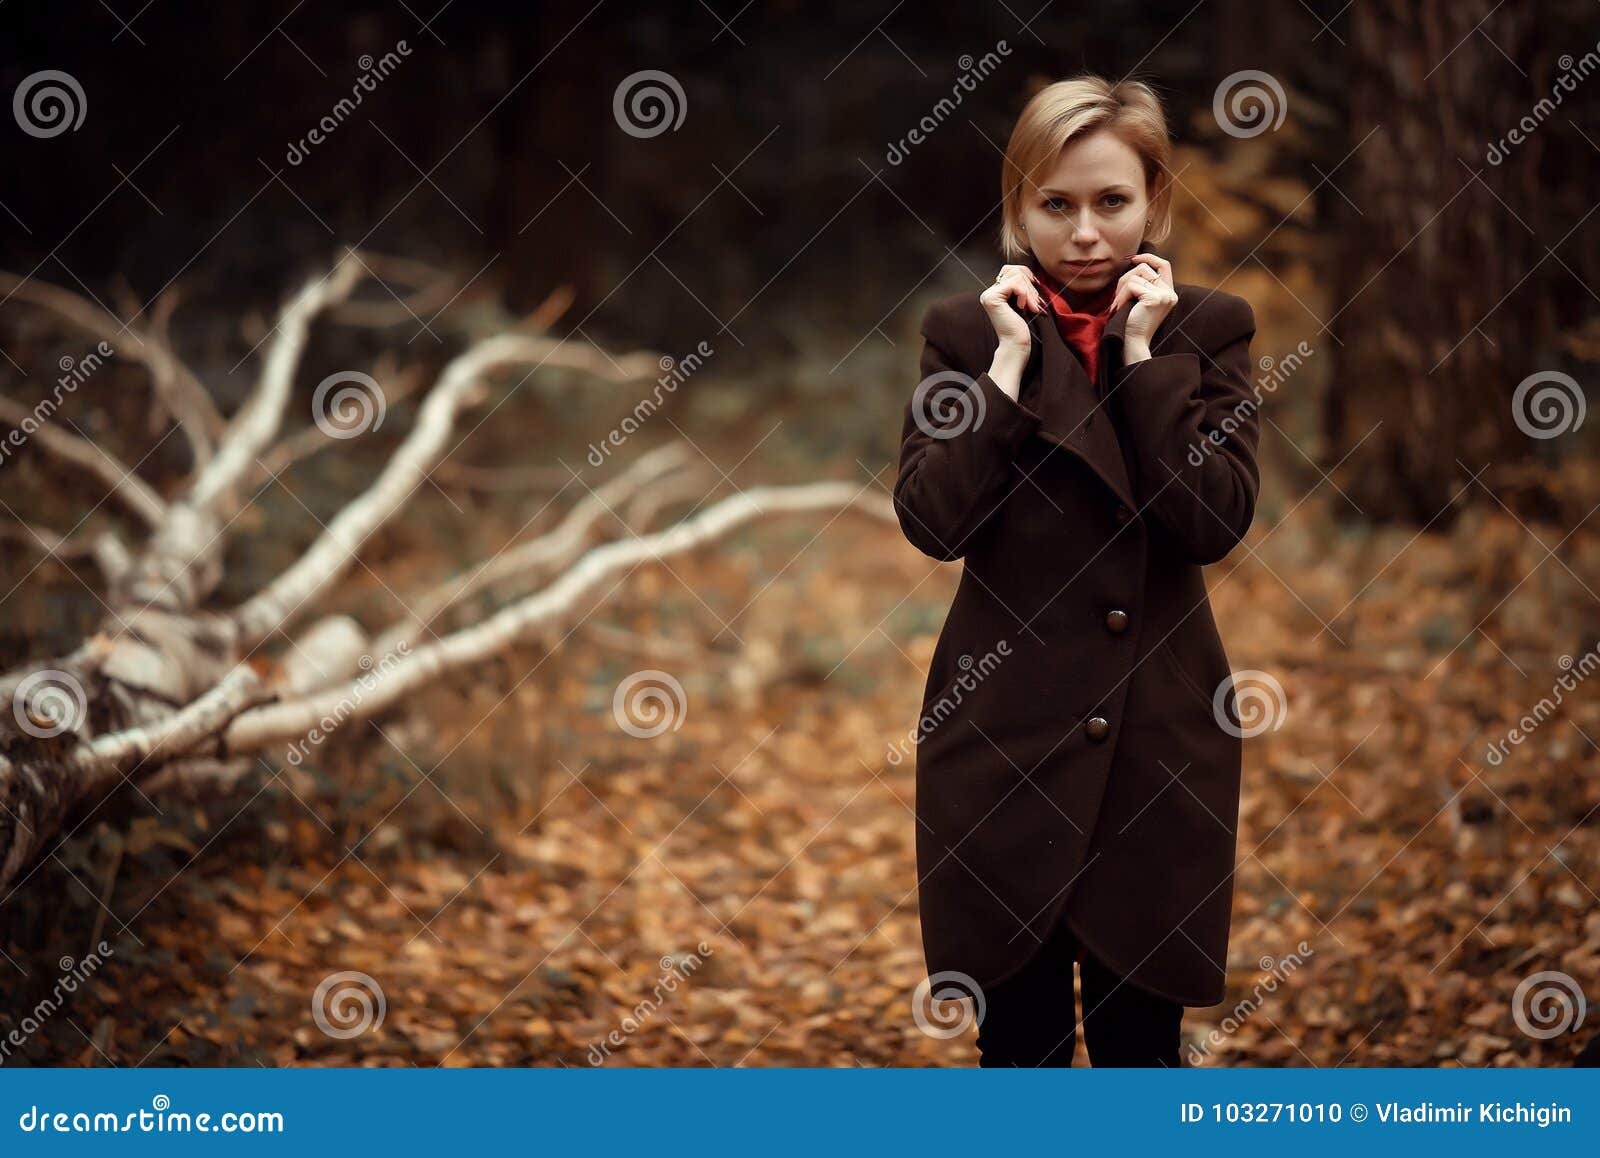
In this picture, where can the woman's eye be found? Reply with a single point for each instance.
(1116, 200)
(1054, 204)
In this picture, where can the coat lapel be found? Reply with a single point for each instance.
(1069, 405)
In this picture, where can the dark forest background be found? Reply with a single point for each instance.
(1419, 567)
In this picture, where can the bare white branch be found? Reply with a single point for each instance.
(327, 558)
(309, 440)
(176, 387)
(543, 611)
(436, 289)
(132, 491)
(186, 728)
(551, 550)
(256, 424)
(106, 551)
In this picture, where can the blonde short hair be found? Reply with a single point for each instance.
(1066, 110)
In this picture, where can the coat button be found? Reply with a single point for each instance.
(1116, 622)
(1123, 514)
(1098, 728)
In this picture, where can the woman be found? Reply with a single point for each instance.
(1084, 439)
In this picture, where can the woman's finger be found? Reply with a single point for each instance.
(1138, 287)
(1019, 282)
(1026, 293)
(1130, 288)
(1009, 287)
(1160, 265)
(1123, 293)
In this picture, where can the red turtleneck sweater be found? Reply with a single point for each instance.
(1080, 319)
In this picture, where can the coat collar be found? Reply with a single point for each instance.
(1070, 407)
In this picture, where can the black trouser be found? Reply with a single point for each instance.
(1030, 1020)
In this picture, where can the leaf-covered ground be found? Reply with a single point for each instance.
(526, 882)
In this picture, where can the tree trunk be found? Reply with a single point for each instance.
(1434, 332)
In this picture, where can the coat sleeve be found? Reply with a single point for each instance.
(958, 444)
(1193, 427)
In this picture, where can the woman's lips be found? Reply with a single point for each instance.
(1086, 266)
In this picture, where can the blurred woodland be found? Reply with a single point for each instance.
(510, 862)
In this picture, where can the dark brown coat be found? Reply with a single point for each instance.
(1070, 760)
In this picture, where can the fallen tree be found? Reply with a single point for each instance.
(171, 690)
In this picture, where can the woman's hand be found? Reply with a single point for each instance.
(1016, 340)
(1149, 281)
(1013, 281)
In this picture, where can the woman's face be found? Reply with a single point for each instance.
(1087, 211)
